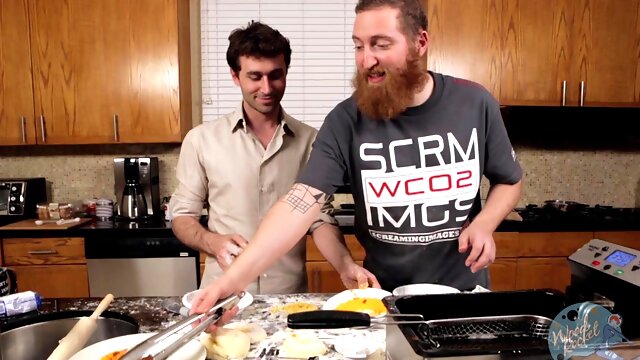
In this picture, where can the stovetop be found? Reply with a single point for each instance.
(597, 214)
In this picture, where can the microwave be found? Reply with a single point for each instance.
(19, 197)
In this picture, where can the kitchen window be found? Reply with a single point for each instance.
(322, 62)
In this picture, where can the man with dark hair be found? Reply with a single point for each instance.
(243, 162)
(414, 146)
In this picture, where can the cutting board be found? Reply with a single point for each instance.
(31, 225)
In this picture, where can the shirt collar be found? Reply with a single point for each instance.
(239, 123)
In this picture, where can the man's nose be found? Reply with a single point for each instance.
(265, 85)
(369, 59)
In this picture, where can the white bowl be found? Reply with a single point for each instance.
(339, 298)
(246, 300)
(424, 289)
(192, 350)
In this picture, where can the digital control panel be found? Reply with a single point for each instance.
(615, 260)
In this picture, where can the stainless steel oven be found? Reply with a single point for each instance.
(134, 265)
(19, 197)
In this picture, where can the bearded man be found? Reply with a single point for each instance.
(414, 146)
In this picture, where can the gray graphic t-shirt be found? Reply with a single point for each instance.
(416, 179)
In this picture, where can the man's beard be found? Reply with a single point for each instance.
(396, 92)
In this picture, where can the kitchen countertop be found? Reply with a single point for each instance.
(152, 316)
(162, 228)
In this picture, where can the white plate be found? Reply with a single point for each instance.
(424, 289)
(246, 300)
(193, 350)
(339, 298)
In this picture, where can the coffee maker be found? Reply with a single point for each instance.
(137, 190)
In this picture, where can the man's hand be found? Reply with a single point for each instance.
(226, 247)
(483, 248)
(206, 298)
(355, 276)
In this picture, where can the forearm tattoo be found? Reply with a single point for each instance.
(302, 197)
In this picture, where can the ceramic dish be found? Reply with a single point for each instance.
(424, 289)
(193, 350)
(246, 300)
(333, 302)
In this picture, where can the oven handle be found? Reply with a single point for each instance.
(42, 252)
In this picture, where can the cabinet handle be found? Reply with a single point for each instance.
(116, 138)
(42, 252)
(42, 133)
(582, 93)
(23, 125)
(564, 93)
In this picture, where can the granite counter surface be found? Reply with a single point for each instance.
(151, 314)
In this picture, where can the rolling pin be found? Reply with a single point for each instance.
(80, 333)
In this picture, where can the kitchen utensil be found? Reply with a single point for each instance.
(512, 322)
(564, 205)
(175, 307)
(58, 222)
(338, 319)
(35, 337)
(80, 333)
(161, 345)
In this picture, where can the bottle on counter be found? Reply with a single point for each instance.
(19, 303)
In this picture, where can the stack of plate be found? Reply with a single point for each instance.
(104, 209)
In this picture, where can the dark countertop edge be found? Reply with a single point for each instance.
(505, 226)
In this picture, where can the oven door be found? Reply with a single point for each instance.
(140, 266)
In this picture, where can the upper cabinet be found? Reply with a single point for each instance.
(16, 92)
(464, 40)
(107, 71)
(571, 52)
(543, 52)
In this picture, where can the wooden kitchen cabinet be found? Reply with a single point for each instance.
(105, 71)
(550, 42)
(16, 91)
(321, 277)
(465, 40)
(543, 273)
(53, 267)
(630, 239)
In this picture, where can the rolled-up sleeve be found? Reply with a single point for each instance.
(191, 193)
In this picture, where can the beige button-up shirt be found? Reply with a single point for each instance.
(224, 163)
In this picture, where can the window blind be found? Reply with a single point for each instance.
(322, 60)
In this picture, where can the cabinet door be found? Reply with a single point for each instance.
(535, 52)
(464, 38)
(606, 51)
(73, 70)
(16, 89)
(502, 274)
(543, 273)
(54, 281)
(322, 278)
(630, 239)
(153, 73)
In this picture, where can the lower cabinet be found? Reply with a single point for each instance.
(53, 281)
(527, 260)
(53, 267)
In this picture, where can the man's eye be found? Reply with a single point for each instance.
(382, 46)
(254, 78)
(358, 47)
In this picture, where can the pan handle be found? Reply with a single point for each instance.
(328, 319)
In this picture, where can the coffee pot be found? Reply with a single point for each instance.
(136, 185)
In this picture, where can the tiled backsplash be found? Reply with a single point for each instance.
(80, 172)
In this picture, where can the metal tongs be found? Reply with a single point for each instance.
(168, 341)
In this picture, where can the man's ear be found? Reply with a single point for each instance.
(422, 43)
(234, 77)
